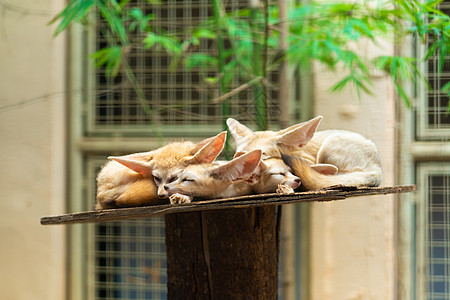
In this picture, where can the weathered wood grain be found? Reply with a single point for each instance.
(331, 194)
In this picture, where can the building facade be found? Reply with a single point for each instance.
(60, 118)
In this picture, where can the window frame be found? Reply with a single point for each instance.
(423, 130)
(424, 170)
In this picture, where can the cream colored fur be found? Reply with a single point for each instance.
(273, 176)
(330, 157)
(215, 180)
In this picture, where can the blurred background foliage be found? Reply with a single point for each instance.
(248, 42)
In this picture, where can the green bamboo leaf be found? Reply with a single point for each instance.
(360, 85)
(229, 72)
(74, 12)
(356, 28)
(211, 80)
(204, 33)
(123, 3)
(446, 88)
(136, 13)
(431, 50)
(111, 14)
(139, 20)
(154, 2)
(400, 69)
(111, 58)
(169, 44)
(401, 92)
(200, 60)
(342, 83)
(443, 50)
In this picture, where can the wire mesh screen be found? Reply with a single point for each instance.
(164, 93)
(437, 259)
(435, 119)
(128, 258)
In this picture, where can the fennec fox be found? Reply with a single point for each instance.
(138, 179)
(320, 159)
(272, 175)
(214, 180)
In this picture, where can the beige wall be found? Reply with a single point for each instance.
(32, 74)
(352, 241)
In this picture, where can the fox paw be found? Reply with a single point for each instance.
(179, 199)
(284, 189)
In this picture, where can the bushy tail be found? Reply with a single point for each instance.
(314, 180)
(138, 193)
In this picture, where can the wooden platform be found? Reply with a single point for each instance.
(331, 194)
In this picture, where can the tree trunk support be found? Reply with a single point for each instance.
(226, 254)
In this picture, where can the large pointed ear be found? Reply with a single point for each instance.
(142, 156)
(201, 144)
(237, 129)
(240, 168)
(300, 135)
(325, 169)
(140, 167)
(210, 150)
(295, 126)
(259, 169)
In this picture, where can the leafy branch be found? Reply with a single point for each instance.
(247, 40)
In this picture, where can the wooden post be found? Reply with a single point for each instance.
(226, 254)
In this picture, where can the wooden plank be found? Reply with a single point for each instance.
(331, 194)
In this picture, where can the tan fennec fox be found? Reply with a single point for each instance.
(273, 176)
(214, 180)
(320, 159)
(138, 179)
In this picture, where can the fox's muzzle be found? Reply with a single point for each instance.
(162, 192)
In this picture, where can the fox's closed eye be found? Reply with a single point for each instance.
(187, 180)
(278, 174)
(156, 179)
(173, 179)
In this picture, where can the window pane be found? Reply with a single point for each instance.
(434, 121)
(130, 260)
(438, 240)
(437, 100)
(168, 95)
(128, 257)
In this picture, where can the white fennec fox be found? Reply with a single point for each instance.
(320, 159)
(138, 179)
(271, 176)
(214, 180)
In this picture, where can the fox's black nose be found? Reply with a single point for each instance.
(166, 187)
(297, 180)
(162, 196)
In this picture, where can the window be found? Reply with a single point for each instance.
(127, 259)
(431, 213)
(434, 187)
(433, 119)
